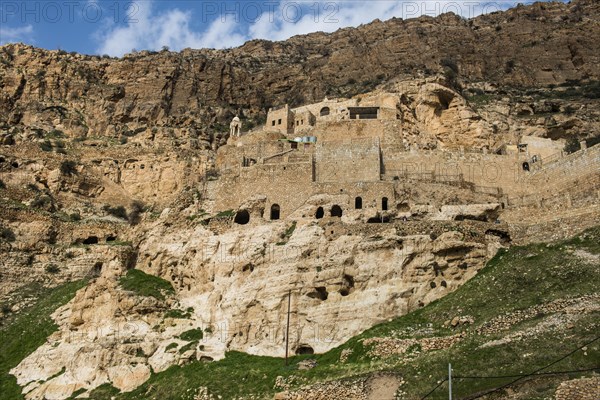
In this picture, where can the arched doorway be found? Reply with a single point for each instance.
(358, 203)
(525, 166)
(320, 213)
(336, 211)
(384, 204)
(275, 211)
(242, 217)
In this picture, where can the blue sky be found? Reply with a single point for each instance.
(116, 27)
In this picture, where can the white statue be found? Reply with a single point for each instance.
(235, 127)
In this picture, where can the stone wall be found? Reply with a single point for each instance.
(286, 184)
(388, 131)
(488, 170)
(562, 173)
(371, 161)
(280, 120)
(353, 160)
(334, 105)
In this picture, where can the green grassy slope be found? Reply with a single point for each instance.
(28, 330)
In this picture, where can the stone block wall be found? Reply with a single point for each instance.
(348, 161)
(563, 173)
(388, 131)
(281, 120)
(486, 170)
(286, 184)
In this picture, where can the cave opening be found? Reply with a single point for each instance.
(320, 213)
(336, 211)
(91, 240)
(304, 349)
(242, 217)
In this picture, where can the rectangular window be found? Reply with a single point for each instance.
(279, 122)
(273, 123)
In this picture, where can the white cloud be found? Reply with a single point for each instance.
(335, 15)
(154, 29)
(20, 34)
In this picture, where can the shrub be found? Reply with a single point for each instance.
(187, 347)
(590, 142)
(7, 235)
(123, 140)
(592, 90)
(119, 211)
(137, 208)
(75, 216)
(52, 268)
(212, 174)
(46, 145)
(6, 308)
(509, 66)
(225, 214)
(41, 201)
(178, 314)
(572, 146)
(68, 167)
(55, 133)
(451, 64)
(171, 346)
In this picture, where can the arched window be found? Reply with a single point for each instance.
(324, 111)
(525, 166)
(242, 217)
(275, 211)
(336, 211)
(358, 203)
(384, 204)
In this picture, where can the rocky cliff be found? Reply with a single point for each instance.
(187, 96)
(106, 168)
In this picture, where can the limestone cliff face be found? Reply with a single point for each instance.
(235, 285)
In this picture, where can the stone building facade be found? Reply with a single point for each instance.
(360, 158)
